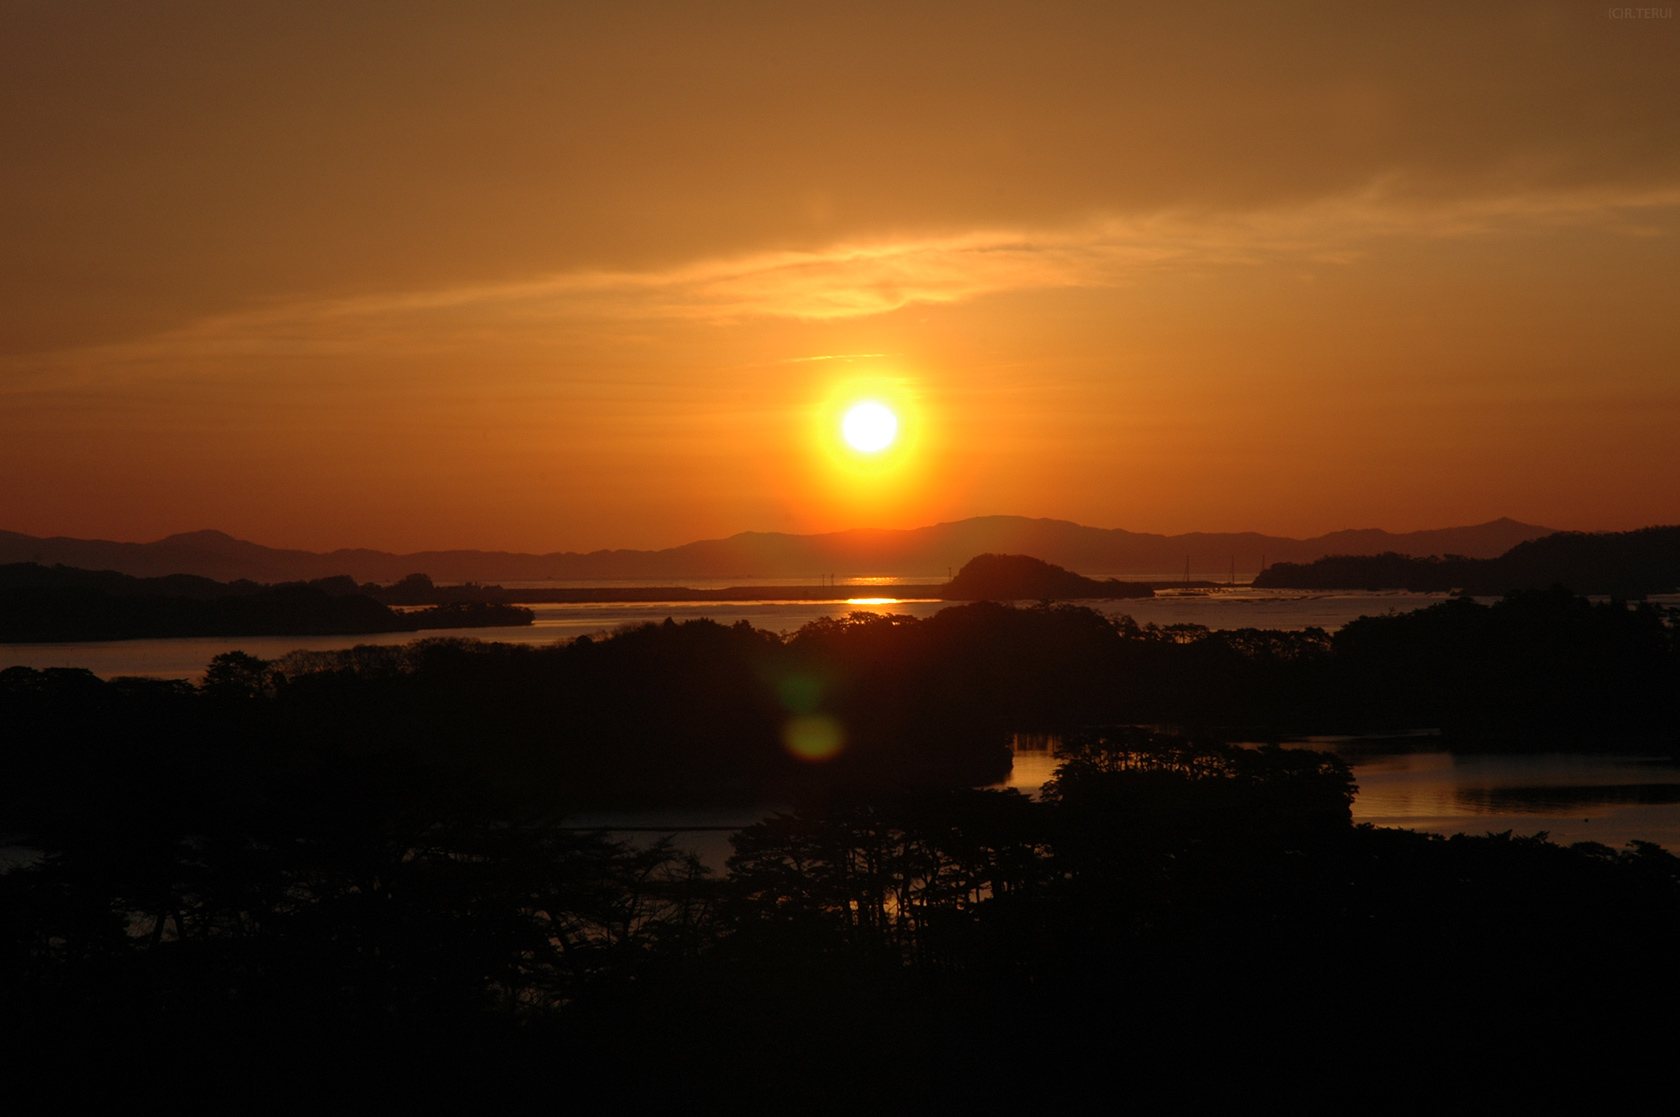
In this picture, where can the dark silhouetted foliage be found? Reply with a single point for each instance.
(357, 863)
(1171, 907)
(1622, 564)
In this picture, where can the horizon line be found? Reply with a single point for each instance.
(183, 535)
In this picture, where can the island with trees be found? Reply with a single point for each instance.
(365, 862)
(1627, 564)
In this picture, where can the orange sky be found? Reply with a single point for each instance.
(542, 277)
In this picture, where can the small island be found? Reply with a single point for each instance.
(1023, 578)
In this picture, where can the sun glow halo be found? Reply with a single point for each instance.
(869, 427)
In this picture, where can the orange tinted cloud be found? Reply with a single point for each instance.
(335, 276)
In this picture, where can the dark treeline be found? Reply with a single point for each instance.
(1628, 564)
(40, 603)
(358, 863)
(1173, 912)
(699, 712)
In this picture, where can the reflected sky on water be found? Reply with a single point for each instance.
(1403, 784)
(1574, 798)
(1408, 784)
(1608, 799)
(186, 657)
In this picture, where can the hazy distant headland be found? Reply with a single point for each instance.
(46, 604)
(1623, 564)
(918, 552)
(41, 604)
(59, 603)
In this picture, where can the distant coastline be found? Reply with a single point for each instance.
(915, 553)
(41, 605)
(1618, 564)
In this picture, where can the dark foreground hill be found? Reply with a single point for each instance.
(352, 872)
(41, 604)
(703, 714)
(1173, 917)
(1627, 564)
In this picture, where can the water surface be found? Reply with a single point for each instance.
(186, 657)
(1410, 785)
(1574, 798)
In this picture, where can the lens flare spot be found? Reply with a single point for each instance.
(869, 427)
(814, 737)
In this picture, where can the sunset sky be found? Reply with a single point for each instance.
(545, 277)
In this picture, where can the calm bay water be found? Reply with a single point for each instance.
(1573, 797)
(1239, 607)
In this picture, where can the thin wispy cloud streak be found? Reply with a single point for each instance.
(854, 280)
(858, 279)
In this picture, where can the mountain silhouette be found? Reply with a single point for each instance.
(926, 552)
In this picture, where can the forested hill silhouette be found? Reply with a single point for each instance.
(203, 918)
(371, 862)
(702, 713)
(1022, 578)
(917, 552)
(1622, 564)
(40, 604)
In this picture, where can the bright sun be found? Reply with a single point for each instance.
(869, 427)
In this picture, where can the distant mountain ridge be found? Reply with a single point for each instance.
(916, 552)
